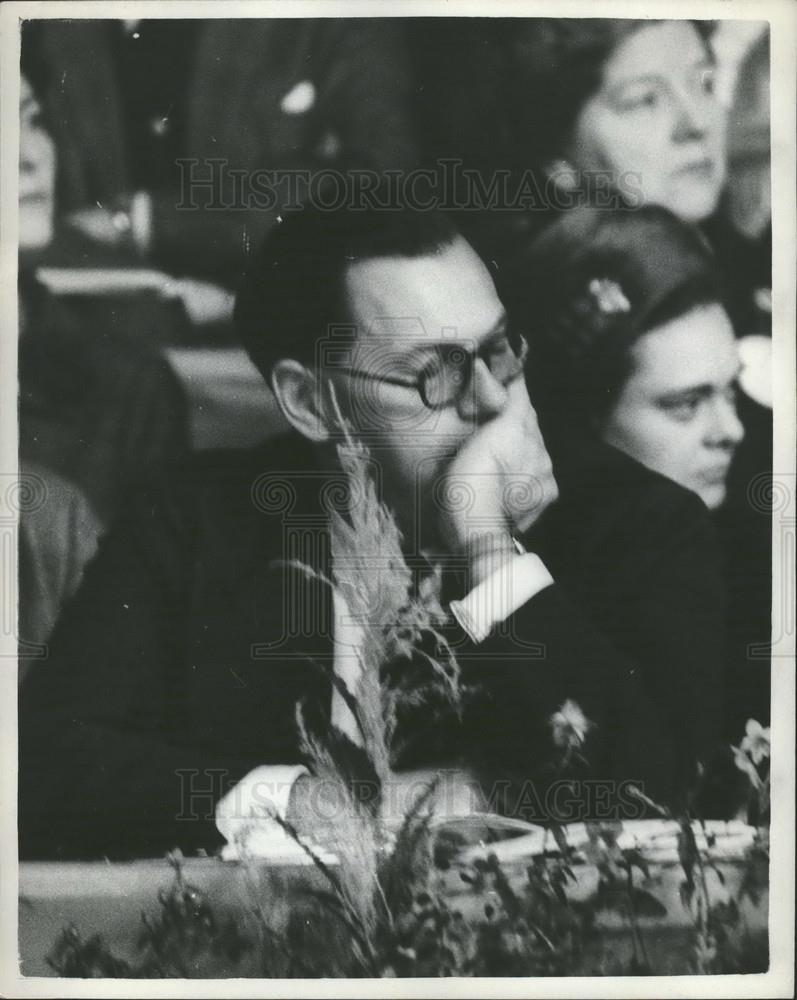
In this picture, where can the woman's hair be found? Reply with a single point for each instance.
(32, 60)
(586, 289)
(553, 66)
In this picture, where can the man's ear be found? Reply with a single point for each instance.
(299, 395)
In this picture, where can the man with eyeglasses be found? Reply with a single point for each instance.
(586, 627)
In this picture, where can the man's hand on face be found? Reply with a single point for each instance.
(498, 484)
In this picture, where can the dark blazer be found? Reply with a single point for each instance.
(178, 665)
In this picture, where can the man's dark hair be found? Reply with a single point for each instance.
(293, 289)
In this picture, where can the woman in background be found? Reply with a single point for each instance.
(631, 345)
(632, 100)
(94, 412)
(57, 527)
(97, 409)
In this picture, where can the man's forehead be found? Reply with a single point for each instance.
(439, 296)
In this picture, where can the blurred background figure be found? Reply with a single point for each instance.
(96, 411)
(58, 530)
(631, 345)
(128, 99)
(749, 195)
(36, 176)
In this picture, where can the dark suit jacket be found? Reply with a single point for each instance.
(180, 662)
(242, 70)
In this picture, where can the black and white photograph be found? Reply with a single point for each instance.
(398, 498)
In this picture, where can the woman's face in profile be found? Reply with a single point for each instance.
(676, 412)
(36, 174)
(655, 116)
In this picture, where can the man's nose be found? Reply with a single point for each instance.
(485, 397)
(726, 428)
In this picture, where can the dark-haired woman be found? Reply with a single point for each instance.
(633, 100)
(631, 345)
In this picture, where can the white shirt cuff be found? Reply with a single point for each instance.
(502, 593)
(245, 815)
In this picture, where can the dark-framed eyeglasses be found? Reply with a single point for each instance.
(446, 378)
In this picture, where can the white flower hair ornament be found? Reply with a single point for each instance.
(609, 296)
(569, 726)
